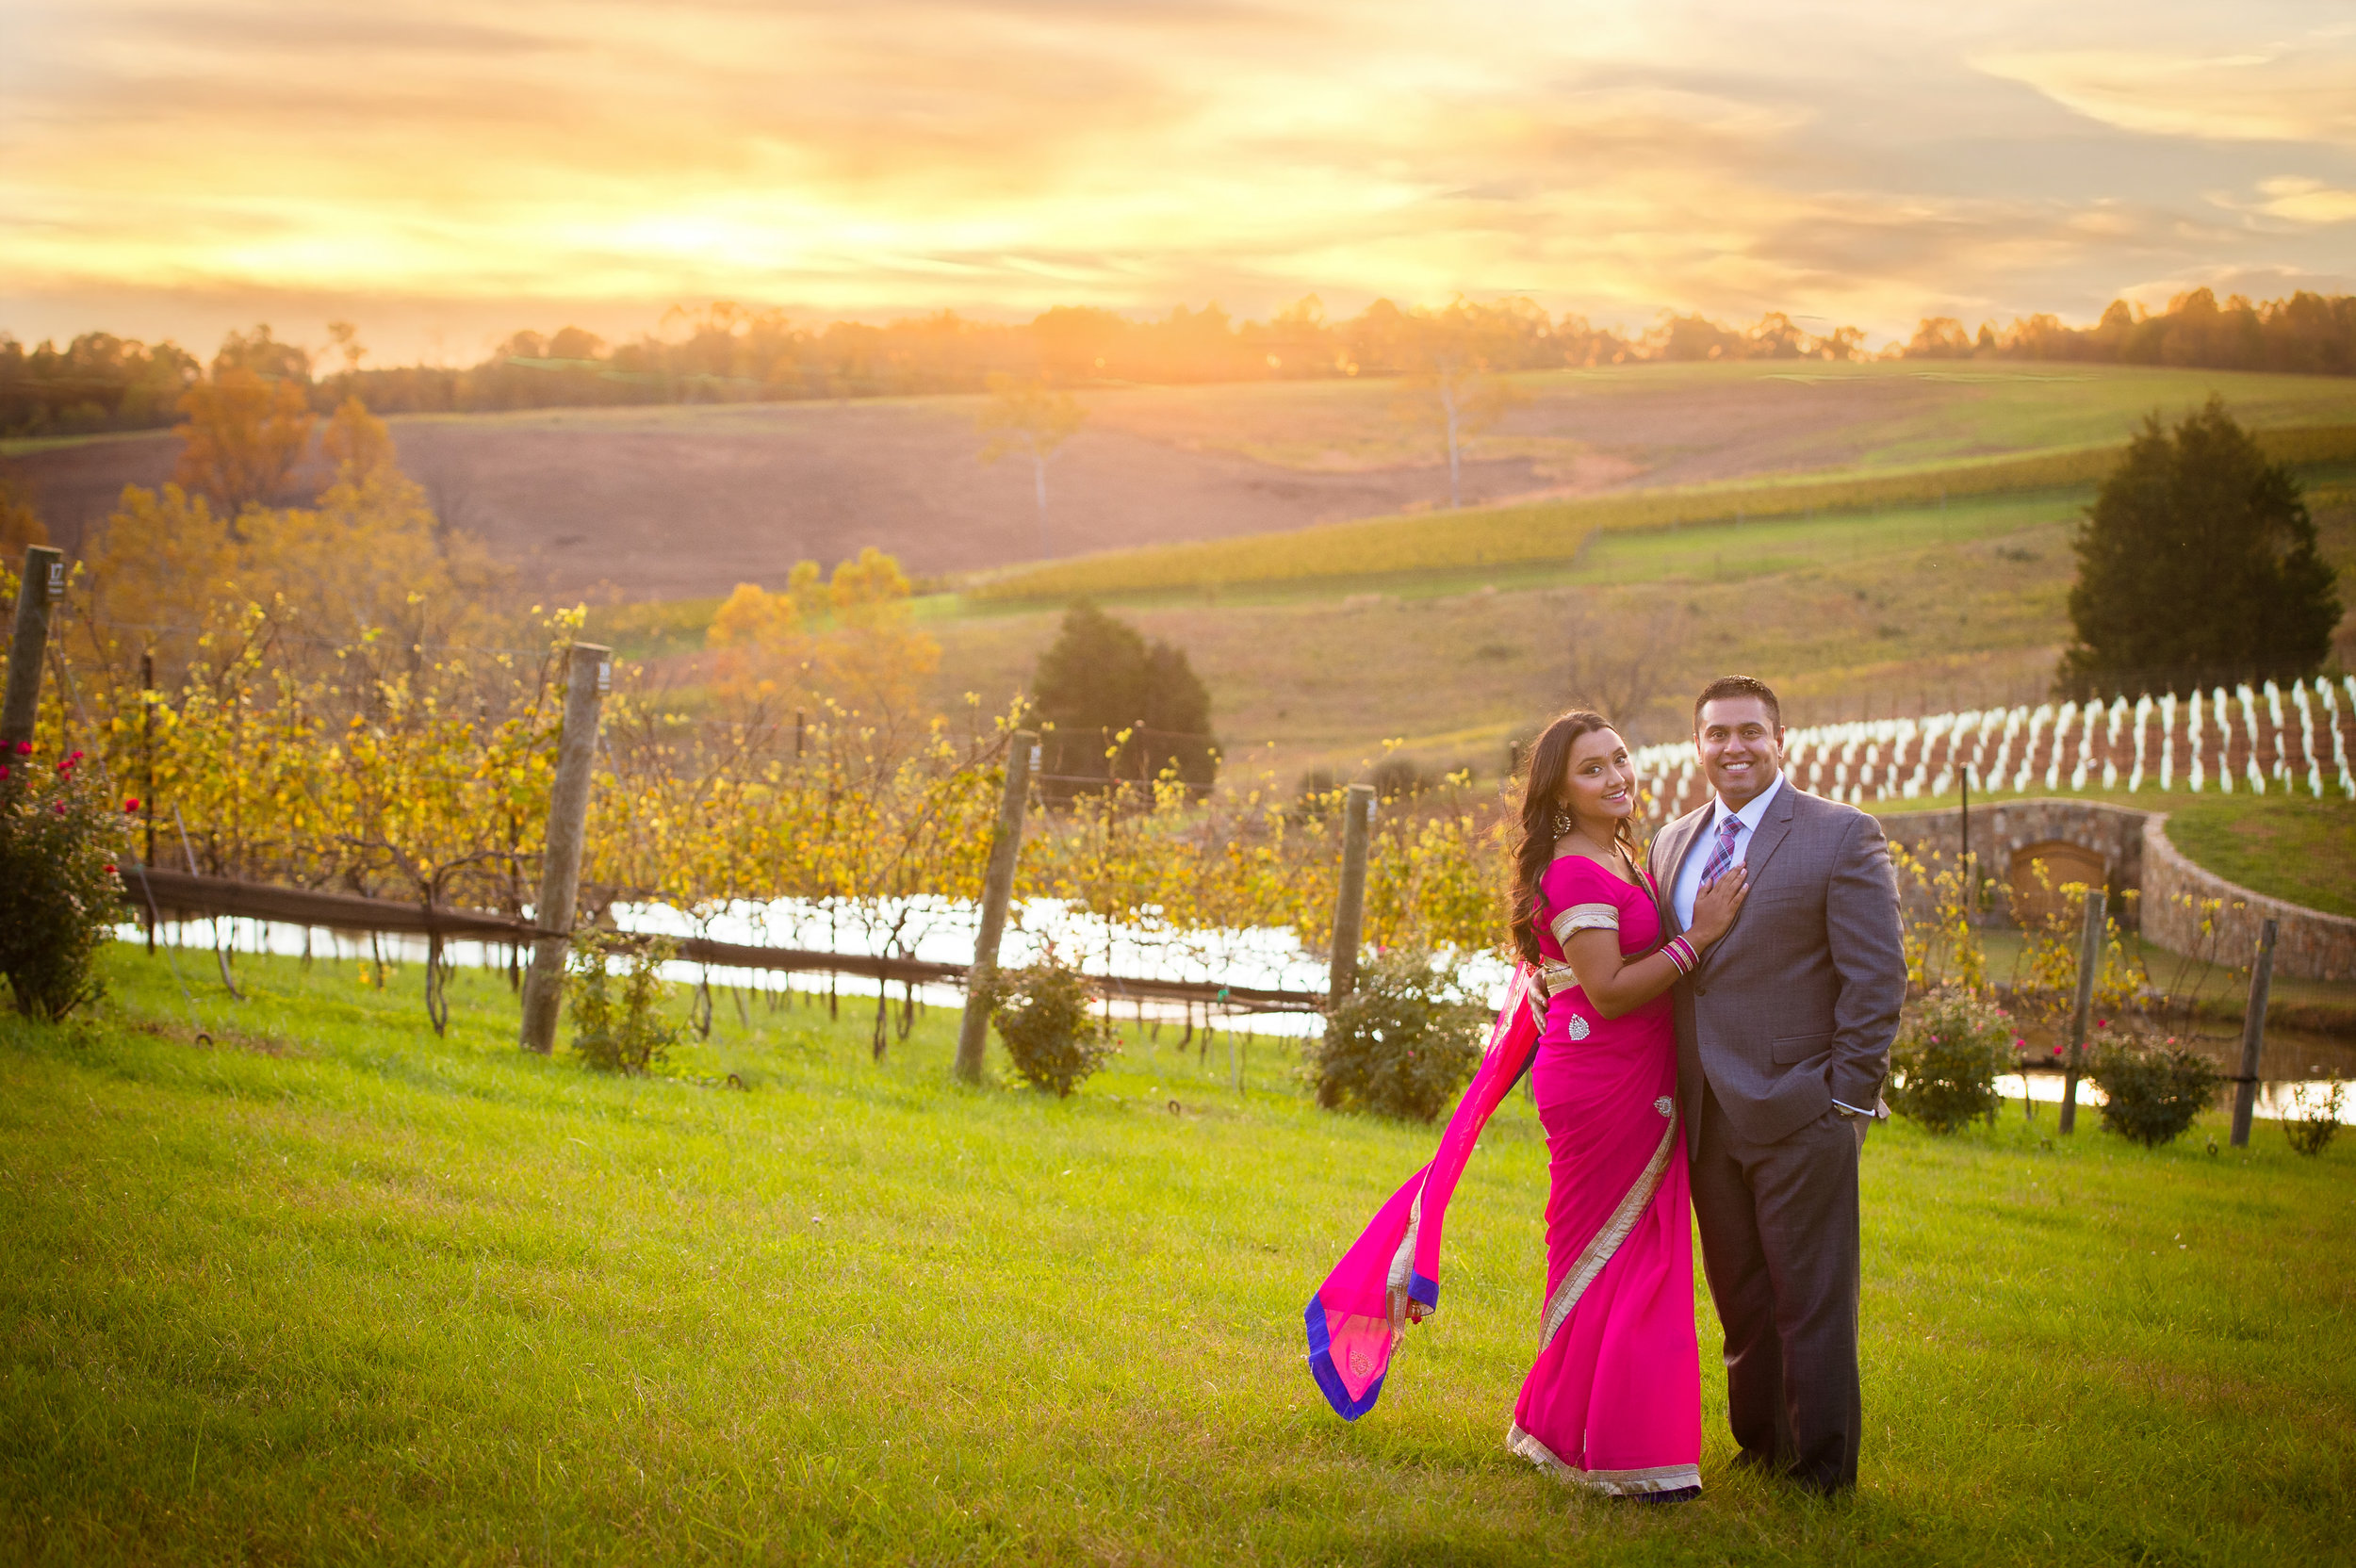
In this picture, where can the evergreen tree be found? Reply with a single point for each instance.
(1102, 678)
(2196, 564)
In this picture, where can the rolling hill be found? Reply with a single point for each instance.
(659, 503)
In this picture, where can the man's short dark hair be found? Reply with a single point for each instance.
(1739, 686)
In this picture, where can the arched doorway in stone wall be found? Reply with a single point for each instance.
(2038, 899)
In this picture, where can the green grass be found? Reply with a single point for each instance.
(1864, 417)
(1997, 406)
(2291, 847)
(1521, 534)
(346, 1291)
(1525, 534)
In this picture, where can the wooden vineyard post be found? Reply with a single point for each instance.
(42, 586)
(2090, 960)
(1970, 870)
(589, 674)
(2253, 1034)
(997, 891)
(1349, 902)
(147, 790)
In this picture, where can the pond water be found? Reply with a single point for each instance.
(942, 931)
(2277, 1098)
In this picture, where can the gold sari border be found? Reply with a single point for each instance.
(1584, 917)
(1613, 1483)
(1554, 979)
(1607, 1241)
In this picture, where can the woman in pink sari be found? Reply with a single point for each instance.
(1614, 1401)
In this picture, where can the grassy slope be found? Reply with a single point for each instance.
(1907, 413)
(1836, 612)
(1521, 534)
(382, 1298)
(2287, 846)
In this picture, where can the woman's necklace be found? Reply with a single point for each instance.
(1607, 857)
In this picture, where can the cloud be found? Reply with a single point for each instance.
(2306, 200)
(1848, 160)
(2307, 95)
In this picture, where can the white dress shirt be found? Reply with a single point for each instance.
(1689, 882)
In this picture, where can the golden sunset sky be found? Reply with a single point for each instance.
(443, 172)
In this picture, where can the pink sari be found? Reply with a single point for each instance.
(1614, 1401)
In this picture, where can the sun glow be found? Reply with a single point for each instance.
(1850, 161)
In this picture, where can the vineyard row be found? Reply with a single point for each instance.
(2255, 740)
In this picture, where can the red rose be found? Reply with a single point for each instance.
(131, 805)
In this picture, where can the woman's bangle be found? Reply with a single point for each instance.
(1681, 954)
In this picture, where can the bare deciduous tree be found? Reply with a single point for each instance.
(1629, 661)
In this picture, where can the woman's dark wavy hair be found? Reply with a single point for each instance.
(1541, 789)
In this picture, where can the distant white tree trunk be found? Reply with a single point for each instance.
(1455, 418)
(1026, 417)
(1038, 474)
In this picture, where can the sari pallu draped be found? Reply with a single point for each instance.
(1613, 1401)
(1357, 1315)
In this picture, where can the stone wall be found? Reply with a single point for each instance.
(2309, 945)
(2113, 833)
(2137, 857)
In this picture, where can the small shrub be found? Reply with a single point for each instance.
(617, 1021)
(1952, 1045)
(1044, 1016)
(1403, 1043)
(1399, 778)
(60, 836)
(2152, 1088)
(2312, 1130)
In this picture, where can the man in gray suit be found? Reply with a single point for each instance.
(1783, 1041)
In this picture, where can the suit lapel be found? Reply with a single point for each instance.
(1769, 835)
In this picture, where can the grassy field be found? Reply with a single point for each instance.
(1520, 535)
(1906, 612)
(340, 1291)
(2287, 846)
(1697, 421)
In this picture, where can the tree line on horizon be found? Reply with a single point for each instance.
(725, 353)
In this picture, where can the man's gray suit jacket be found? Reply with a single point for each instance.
(1797, 1005)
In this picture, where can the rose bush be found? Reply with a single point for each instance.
(61, 836)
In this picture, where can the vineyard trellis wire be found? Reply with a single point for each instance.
(412, 763)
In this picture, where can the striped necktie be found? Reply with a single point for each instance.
(1722, 853)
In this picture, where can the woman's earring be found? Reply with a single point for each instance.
(1562, 822)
